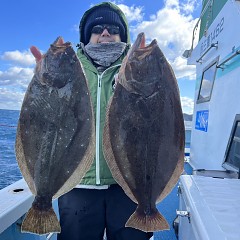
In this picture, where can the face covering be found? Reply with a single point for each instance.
(104, 54)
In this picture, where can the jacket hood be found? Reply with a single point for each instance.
(103, 5)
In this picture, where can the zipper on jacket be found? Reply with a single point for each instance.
(98, 114)
(98, 129)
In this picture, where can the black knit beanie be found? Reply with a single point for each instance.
(103, 15)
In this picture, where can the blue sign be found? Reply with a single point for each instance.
(202, 120)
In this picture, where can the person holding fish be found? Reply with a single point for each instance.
(109, 147)
(98, 204)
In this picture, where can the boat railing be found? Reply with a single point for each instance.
(213, 45)
(187, 53)
(221, 65)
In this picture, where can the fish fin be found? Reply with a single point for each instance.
(110, 159)
(148, 223)
(40, 222)
(21, 160)
(173, 180)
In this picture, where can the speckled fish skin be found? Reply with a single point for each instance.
(55, 135)
(144, 133)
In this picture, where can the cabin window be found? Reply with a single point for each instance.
(232, 157)
(206, 87)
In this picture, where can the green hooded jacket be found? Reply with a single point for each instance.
(101, 89)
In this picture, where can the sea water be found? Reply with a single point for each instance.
(9, 171)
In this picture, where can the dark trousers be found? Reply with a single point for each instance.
(86, 213)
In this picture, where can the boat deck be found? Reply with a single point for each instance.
(16, 200)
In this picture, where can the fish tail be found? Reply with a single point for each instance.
(40, 221)
(147, 223)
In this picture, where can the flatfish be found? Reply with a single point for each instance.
(144, 133)
(55, 135)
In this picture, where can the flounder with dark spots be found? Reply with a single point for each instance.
(144, 133)
(55, 135)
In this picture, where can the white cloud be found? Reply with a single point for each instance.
(172, 3)
(185, 6)
(187, 105)
(172, 26)
(24, 58)
(190, 5)
(10, 99)
(132, 13)
(16, 76)
(181, 69)
(13, 84)
(75, 28)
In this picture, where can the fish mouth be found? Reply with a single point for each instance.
(140, 42)
(59, 45)
(59, 56)
(139, 49)
(137, 75)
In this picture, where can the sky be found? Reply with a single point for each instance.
(39, 22)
